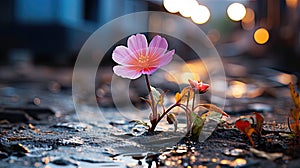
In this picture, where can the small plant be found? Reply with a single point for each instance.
(294, 126)
(248, 129)
(140, 59)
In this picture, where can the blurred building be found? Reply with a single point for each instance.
(53, 31)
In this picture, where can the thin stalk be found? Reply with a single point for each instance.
(188, 98)
(188, 116)
(167, 111)
(185, 108)
(154, 124)
(193, 103)
(151, 97)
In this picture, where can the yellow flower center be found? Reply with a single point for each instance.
(143, 60)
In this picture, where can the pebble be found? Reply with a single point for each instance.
(64, 162)
(77, 126)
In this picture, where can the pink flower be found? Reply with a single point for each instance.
(199, 85)
(139, 58)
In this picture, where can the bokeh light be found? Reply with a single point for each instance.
(285, 79)
(237, 89)
(200, 14)
(292, 3)
(236, 11)
(261, 36)
(248, 22)
(172, 6)
(188, 7)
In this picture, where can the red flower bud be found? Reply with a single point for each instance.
(199, 86)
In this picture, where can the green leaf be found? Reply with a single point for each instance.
(171, 118)
(197, 124)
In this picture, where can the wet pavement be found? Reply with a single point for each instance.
(40, 128)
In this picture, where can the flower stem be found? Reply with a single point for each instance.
(166, 112)
(184, 107)
(193, 103)
(188, 98)
(151, 98)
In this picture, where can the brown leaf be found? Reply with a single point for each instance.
(295, 96)
(187, 93)
(212, 107)
(259, 122)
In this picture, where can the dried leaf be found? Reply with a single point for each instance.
(245, 127)
(212, 107)
(171, 118)
(161, 98)
(295, 127)
(295, 96)
(263, 154)
(295, 113)
(187, 93)
(212, 115)
(259, 122)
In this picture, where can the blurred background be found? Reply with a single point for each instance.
(53, 31)
(258, 40)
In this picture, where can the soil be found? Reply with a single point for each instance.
(63, 141)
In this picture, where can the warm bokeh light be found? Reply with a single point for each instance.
(200, 14)
(248, 22)
(236, 11)
(291, 3)
(187, 7)
(261, 36)
(181, 73)
(285, 79)
(237, 89)
(249, 16)
(172, 6)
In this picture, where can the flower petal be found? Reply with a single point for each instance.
(129, 72)
(163, 59)
(122, 55)
(158, 45)
(149, 70)
(138, 44)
